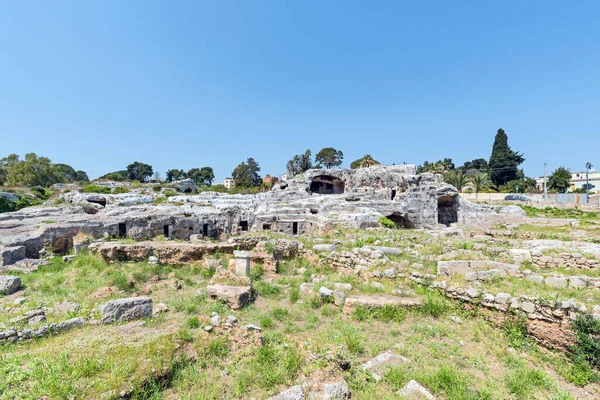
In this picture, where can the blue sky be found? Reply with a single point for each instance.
(182, 84)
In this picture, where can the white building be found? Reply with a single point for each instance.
(229, 183)
(578, 180)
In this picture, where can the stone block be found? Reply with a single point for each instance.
(128, 309)
(242, 263)
(558, 282)
(324, 248)
(528, 307)
(502, 298)
(520, 255)
(9, 284)
(414, 390)
(235, 297)
(577, 282)
(10, 255)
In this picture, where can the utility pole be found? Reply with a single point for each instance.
(588, 166)
(545, 185)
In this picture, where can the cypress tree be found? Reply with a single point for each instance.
(504, 162)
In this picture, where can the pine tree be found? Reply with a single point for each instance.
(503, 161)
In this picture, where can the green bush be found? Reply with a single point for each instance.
(41, 193)
(587, 346)
(170, 193)
(96, 189)
(10, 206)
(387, 223)
(120, 189)
(193, 322)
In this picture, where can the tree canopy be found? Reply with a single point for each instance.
(365, 161)
(475, 166)
(201, 176)
(438, 167)
(139, 171)
(117, 176)
(246, 174)
(559, 179)
(329, 157)
(34, 170)
(300, 163)
(175, 175)
(504, 161)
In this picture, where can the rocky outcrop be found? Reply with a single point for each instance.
(310, 203)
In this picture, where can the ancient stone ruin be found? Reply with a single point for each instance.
(310, 203)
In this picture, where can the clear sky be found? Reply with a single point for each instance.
(182, 84)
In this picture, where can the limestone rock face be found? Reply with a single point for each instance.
(309, 203)
(128, 309)
(9, 284)
(184, 185)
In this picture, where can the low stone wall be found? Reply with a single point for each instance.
(547, 321)
(471, 268)
(566, 260)
(12, 335)
(357, 260)
(563, 281)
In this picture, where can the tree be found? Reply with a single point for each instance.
(201, 176)
(34, 171)
(175, 175)
(81, 176)
(504, 162)
(6, 164)
(474, 166)
(457, 179)
(300, 163)
(329, 157)
(559, 180)
(246, 174)
(438, 167)
(139, 171)
(479, 181)
(365, 161)
(67, 171)
(117, 176)
(157, 176)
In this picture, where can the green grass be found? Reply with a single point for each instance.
(170, 356)
(554, 212)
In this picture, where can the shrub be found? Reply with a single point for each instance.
(170, 193)
(387, 223)
(120, 189)
(294, 294)
(256, 272)
(193, 322)
(587, 346)
(96, 189)
(41, 193)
